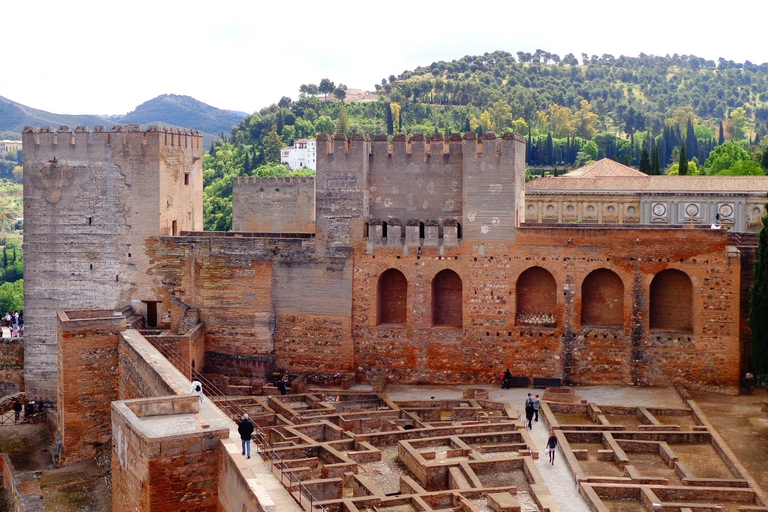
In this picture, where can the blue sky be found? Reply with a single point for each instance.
(104, 57)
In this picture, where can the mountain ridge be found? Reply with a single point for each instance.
(165, 110)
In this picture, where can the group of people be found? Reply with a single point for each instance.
(532, 406)
(14, 321)
(29, 407)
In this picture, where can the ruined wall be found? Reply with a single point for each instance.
(148, 465)
(92, 203)
(87, 380)
(248, 288)
(11, 366)
(491, 338)
(273, 205)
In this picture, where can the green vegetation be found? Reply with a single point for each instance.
(758, 305)
(10, 167)
(637, 110)
(12, 262)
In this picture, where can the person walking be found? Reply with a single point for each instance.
(197, 387)
(536, 407)
(16, 411)
(552, 446)
(529, 411)
(245, 428)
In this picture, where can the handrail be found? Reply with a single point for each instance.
(262, 440)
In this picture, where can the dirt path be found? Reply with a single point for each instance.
(743, 426)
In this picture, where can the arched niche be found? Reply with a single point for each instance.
(392, 298)
(671, 301)
(447, 299)
(602, 299)
(536, 294)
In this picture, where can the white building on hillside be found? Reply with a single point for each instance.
(9, 145)
(302, 155)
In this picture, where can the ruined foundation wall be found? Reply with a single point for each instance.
(93, 201)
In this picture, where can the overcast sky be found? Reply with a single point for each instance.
(107, 57)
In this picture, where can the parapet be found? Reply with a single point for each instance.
(46, 136)
(418, 144)
(271, 181)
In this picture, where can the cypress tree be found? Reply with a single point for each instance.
(5, 258)
(655, 162)
(758, 305)
(691, 144)
(764, 160)
(645, 162)
(721, 137)
(390, 120)
(683, 168)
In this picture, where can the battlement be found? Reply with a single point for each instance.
(418, 144)
(131, 134)
(273, 180)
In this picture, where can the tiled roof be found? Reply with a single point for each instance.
(609, 176)
(604, 167)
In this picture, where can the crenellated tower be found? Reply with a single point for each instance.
(93, 204)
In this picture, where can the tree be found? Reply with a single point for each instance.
(683, 165)
(326, 87)
(273, 143)
(395, 108)
(731, 159)
(340, 93)
(655, 161)
(390, 120)
(342, 123)
(284, 102)
(585, 121)
(325, 124)
(758, 305)
(645, 162)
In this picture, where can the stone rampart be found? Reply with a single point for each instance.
(273, 205)
(93, 202)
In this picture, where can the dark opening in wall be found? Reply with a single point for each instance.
(447, 301)
(422, 231)
(186, 178)
(602, 299)
(458, 230)
(671, 301)
(536, 291)
(173, 228)
(392, 298)
(383, 230)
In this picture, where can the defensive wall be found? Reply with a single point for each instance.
(417, 267)
(273, 205)
(93, 202)
(116, 386)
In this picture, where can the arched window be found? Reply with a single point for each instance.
(392, 298)
(671, 301)
(447, 299)
(536, 298)
(602, 299)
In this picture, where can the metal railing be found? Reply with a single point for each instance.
(277, 465)
(9, 417)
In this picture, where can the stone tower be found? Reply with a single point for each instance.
(94, 204)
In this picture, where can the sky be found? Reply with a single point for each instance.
(107, 57)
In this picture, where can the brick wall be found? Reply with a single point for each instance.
(273, 205)
(87, 380)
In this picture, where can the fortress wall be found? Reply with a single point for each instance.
(262, 297)
(418, 179)
(87, 380)
(91, 205)
(493, 336)
(493, 187)
(273, 205)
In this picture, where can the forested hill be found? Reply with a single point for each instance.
(643, 111)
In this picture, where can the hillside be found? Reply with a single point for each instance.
(182, 111)
(165, 110)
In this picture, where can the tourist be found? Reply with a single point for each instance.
(552, 446)
(245, 428)
(197, 387)
(506, 380)
(16, 411)
(282, 385)
(7, 319)
(536, 407)
(529, 411)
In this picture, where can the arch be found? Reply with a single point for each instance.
(602, 299)
(536, 294)
(392, 298)
(671, 301)
(447, 299)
